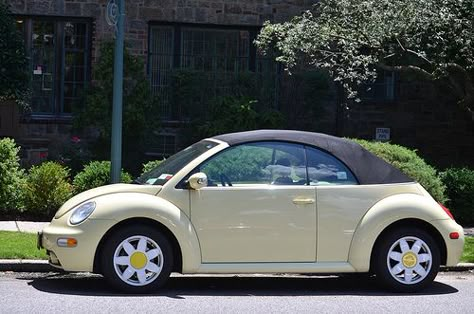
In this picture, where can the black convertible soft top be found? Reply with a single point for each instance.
(368, 168)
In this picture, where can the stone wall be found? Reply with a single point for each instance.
(140, 12)
(52, 134)
(423, 116)
(420, 117)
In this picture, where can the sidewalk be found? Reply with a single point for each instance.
(22, 226)
(18, 265)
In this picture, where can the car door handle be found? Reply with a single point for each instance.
(303, 201)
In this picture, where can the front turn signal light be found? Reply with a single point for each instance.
(67, 242)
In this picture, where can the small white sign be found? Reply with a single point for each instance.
(382, 134)
(38, 70)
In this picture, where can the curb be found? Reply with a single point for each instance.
(32, 266)
(458, 267)
(27, 265)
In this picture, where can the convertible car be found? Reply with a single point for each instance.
(266, 201)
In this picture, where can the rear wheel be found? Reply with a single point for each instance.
(406, 260)
(137, 259)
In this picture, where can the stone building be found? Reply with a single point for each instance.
(215, 36)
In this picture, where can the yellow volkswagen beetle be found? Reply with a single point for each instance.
(267, 201)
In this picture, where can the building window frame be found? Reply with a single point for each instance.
(177, 30)
(57, 112)
(385, 89)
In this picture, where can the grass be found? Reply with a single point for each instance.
(20, 245)
(468, 254)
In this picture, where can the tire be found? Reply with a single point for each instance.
(137, 259)
(406, 260)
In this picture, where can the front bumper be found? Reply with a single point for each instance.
(81, 257)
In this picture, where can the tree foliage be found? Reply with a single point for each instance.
(353, 39)
(13, 62)
(140, 112)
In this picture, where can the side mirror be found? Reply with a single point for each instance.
(197, 181)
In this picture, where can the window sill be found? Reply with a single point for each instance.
(46, 119)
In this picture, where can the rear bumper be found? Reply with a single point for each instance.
(454, 247)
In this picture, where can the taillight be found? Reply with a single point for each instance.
(446, 210)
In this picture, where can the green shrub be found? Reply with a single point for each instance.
(11, 176)
(411, 164)
(14, 74)
(47, 188)
(95, 174)
(460, 189)
(150, 165)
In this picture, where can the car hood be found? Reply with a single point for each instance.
(104, 190)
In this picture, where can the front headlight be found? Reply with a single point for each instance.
(81, 213)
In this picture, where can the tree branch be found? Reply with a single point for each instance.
(408, 69)
(349, 39)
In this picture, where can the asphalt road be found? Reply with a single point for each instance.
(84, 293)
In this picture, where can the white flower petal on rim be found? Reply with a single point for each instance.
(396, 256)
(153, 267)
(424, 258)
(128, 248)
(122, 260)
(397, 269)
(128, 273)
(141, 275)
(151, 254)
(142, 245)
(408, 275)
(404, 246)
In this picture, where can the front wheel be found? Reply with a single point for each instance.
(137, 259)
(406, 260)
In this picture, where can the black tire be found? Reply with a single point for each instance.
(408, 263)
(154, 280)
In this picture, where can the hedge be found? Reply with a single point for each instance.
(410, 163)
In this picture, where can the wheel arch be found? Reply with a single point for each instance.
(413, 223)
(391, 212)
(177, 251)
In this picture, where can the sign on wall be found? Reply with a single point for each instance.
(382, 134)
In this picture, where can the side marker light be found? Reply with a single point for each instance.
(454, 235)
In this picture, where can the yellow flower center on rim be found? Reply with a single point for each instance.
(409, 259)
(138, 260)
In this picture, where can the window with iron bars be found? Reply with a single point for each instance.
(382, 90)
(216, 56)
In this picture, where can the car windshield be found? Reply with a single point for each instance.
(169, 167)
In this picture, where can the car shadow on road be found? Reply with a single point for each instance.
(183, 286)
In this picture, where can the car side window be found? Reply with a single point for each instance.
(257, 163)
(325, 169)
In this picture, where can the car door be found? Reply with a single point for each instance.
(257, 206)
(341, 204)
